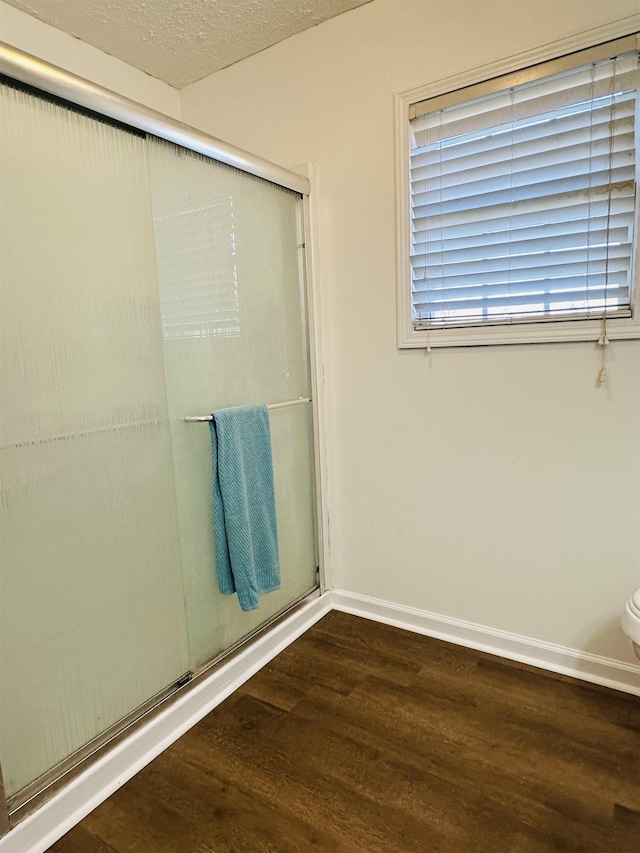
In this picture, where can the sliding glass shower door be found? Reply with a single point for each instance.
(93, 621)
(234, 329)
(141, 283)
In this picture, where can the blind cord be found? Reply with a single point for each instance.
(603, 340)
(603, 343)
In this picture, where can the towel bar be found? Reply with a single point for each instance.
(295, 402)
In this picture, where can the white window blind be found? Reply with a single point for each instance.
(523, 201)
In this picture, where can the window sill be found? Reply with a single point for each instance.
(520, 333)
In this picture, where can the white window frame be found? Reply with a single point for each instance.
(540, 331)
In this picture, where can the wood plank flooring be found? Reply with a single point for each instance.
(364, 737)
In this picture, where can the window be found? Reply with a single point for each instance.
(522, 198)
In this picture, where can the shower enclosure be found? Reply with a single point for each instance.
(142, 282)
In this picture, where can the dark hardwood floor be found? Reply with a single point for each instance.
(364, 737)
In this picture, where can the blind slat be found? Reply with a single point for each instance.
(493, 146)
(553, 276)
(579, 286)
(596, 127)
(528, 314)
(475, 194)
(578, 296)
(577, 234)
(530, 212)
(589, 257)
(450, 124)
(562, 152)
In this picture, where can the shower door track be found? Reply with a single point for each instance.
(61, 84)
(21, 804)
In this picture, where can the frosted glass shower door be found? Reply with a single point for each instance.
(234, 327)
(92, 611)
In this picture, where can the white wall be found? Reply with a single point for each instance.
(497, 485)
(53, 46)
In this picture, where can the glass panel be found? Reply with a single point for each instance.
(234, 333)
(93, 621)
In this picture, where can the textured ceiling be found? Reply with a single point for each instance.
(181, 41)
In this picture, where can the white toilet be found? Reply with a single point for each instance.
(631, 621)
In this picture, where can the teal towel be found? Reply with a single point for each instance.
(244, 507)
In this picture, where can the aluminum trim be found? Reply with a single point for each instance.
(5, 825)
(63, 84)
(19, 803)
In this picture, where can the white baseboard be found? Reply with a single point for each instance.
(54, 818)
(587, 667)
(37, 832)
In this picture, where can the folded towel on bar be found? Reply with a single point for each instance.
(244, 508)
